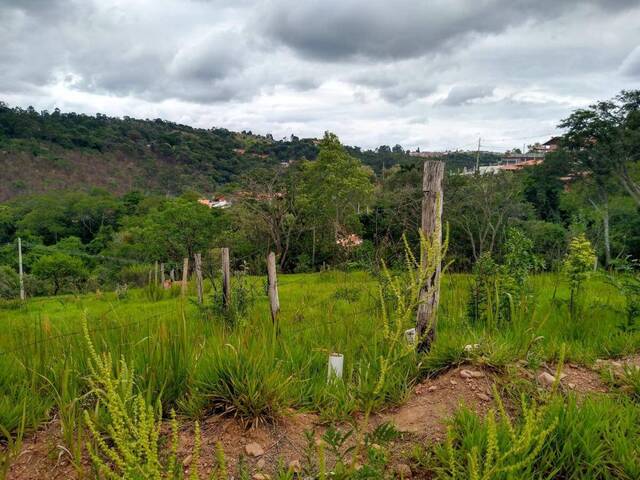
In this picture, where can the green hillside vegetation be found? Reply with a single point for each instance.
(42, 151)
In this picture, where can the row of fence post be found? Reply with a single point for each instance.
(274, 299)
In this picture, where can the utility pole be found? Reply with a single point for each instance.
(478, 157)
(22, 295)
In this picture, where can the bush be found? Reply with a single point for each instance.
(136, 275)
(9, 283)
(62, 270)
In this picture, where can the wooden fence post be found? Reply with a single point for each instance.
(274, 300)
(162, 274)
(185, 276)
(431, 225)
(155, 274)
(226, 278)
(20, 270)
(172, 275)
(198, 266)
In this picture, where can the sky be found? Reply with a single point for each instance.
(428, 74)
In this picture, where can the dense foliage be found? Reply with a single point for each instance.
(313, 202)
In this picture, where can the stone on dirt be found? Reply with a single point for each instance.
(254, 449)
(403, 471)
(294, 466)
(546, 379)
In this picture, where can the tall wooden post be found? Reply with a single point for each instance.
(313, 250)
(21, 272)
(226, 278)
(431, 225)
(185, 277)
(198, 267)
(162, 274)
(274, 300)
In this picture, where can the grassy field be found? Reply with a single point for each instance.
(192, 359)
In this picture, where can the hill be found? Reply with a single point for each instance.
(42, 151)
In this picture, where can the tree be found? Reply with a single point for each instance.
(61, 269)
(543, 185)
(336, 184)
(177, 229)
(270, 209)
(9, 282)
(605, 140)
(479, 207)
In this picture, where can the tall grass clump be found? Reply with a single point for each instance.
(131, 449)
(247, 381)
(499, 292)
(493, 449)
(595, 438)
(578, 266)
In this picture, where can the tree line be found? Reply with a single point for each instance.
(336, 211)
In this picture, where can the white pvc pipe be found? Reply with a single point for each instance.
(336, 362)
(410, 336)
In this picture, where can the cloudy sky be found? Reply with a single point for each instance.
(434, 74)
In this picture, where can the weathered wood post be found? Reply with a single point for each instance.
(172, 275)
(155, 274)
(226, 278)
(185, 276)
(431, 228)
(198, 267)
(162, 279)
(20, 270)
(274, 300)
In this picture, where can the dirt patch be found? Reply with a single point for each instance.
(582, 380)
(434, 401)
(43, 456)
(284, 441)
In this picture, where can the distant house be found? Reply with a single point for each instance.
(512, 167)
(428, 154)
(482, 170)
(516, 158)
(217, 202)
(349, 241)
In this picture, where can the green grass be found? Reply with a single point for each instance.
(188, 359)
(597, 438)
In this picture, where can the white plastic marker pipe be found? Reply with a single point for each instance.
(336, 362)
(410, 336)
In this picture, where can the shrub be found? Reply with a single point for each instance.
(61, 270)
(578, 266)
(136, 275)
(9, 283)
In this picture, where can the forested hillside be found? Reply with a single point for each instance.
(44, 151)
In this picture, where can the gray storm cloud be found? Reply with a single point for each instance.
(366, 69)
